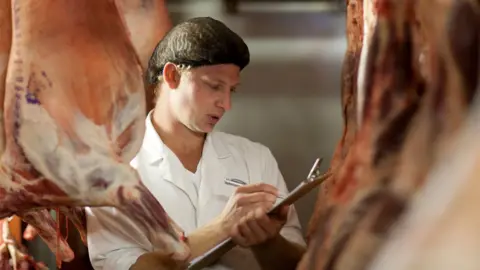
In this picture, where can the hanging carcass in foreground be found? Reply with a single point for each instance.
(74, 117)
(11, 253)
(352, 228)
(440, 231)
(349, 100)
(409, 111)
(5, 44)
(147, 23)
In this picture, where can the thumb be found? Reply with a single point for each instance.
(29, 233)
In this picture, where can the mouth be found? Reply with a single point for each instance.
(213, 119)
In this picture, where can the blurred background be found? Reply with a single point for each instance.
(289, 99)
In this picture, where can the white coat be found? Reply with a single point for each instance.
(191, 200)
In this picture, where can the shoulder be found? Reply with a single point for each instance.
(238, 143)
(255, 155)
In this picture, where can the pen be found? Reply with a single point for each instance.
(237, 184)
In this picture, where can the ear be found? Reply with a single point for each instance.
(171, 76)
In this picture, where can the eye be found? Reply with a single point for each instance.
(215, 86)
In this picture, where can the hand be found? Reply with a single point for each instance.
(244, 200)
(159, 261)
(30, 233)
(257, 227)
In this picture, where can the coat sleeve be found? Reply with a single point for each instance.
(292, 230)
(114, 241)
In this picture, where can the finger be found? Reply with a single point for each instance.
(266, 206)
(255, 218)
(268, 225)
(246, 232)
(257, 197)
(247, 208)
(260, 187)
(237, 237)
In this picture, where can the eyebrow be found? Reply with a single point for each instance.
(223, 82)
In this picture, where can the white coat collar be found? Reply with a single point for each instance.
(157, 155)
(155, 149)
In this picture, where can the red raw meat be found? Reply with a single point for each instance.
(440, 231)
(147, 23)
(74, 118)
(349, 105)
(350, 229)
(411, 112)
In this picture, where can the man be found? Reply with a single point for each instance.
(194, 171)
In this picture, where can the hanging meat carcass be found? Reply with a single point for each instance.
(147, 23)
(74, 114)
(348, 97)
(440, 231)
(390, 100)
(389, 159)
(361, 195)
(360, 22)
(11, 254)
(357, 25)
(451, 74)
(5, 44)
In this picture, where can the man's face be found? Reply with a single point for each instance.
(204, 95)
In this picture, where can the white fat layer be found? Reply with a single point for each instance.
(54, 155)
(445, 185)
(51, 152)
(369, 22)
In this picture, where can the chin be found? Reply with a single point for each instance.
(207, 128)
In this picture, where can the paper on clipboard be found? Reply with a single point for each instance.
(314, 179)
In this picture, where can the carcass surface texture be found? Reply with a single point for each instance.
(74, 118)
(416, 83)
(147, 23)
(349, 94)
(441, 230)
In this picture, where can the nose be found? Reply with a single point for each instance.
(225, 101)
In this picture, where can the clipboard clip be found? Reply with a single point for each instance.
(315, 171)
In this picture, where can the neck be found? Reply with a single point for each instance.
(174, 134)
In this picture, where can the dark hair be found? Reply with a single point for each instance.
(197, 42)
